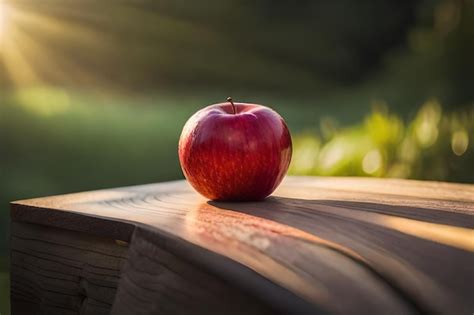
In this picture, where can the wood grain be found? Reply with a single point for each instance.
(318, 245)
(63, 270)
(155, 281)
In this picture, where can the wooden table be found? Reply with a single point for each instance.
(318, 245)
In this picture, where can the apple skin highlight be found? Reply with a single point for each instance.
(235, 151)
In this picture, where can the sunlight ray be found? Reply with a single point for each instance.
(58, 29)
(51, 62)
(20, 70)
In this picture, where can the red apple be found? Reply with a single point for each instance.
(235, 151)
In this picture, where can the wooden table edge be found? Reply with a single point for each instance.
(218, 265)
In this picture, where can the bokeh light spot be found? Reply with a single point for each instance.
(460, 142)
(306, 152)
(372, 161)
(426, 123)
(332, 154)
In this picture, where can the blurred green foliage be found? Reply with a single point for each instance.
(433, 145)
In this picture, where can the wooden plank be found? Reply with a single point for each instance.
(319, 244)
(61, 271)
(155, 281)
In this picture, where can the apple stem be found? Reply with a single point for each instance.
(229, 99)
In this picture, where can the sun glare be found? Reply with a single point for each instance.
(36, 39)
(3, 19)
